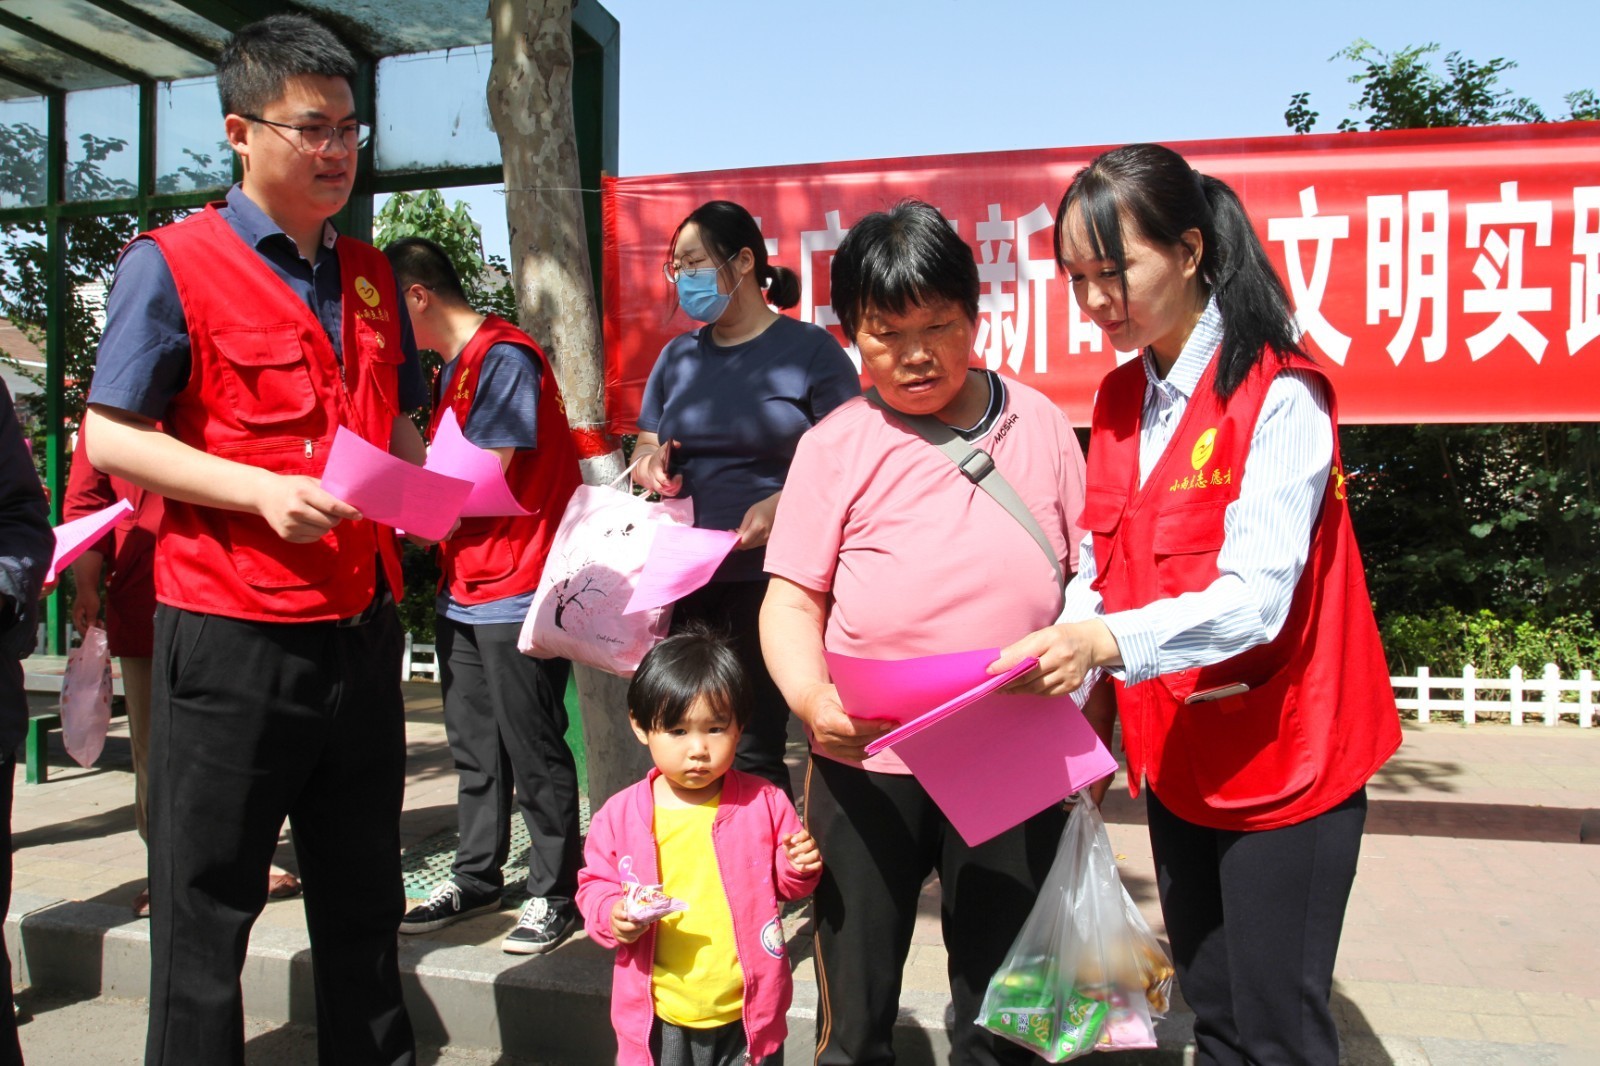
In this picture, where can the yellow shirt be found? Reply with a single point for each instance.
(697, 981)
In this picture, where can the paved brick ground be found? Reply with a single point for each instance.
(1472, 936)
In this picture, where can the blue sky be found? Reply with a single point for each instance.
(716, 83)
(710, 84)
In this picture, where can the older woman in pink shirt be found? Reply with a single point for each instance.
(883, 549)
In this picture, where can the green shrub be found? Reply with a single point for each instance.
(1448, 639)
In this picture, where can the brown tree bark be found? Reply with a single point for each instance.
(530, 104)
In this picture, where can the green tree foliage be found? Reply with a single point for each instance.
(1466, 528)
(486, 279)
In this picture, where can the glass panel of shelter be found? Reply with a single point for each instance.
(23, 138)
(191, 152)
(103, 143)
(432, 111)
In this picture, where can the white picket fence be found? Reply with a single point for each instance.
(1518, 696)
(420, 660)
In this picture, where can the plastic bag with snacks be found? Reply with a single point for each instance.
(1085, 974)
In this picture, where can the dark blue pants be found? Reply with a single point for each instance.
(1254, 920)
(252, 723)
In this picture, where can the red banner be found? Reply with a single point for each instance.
(1439, 275)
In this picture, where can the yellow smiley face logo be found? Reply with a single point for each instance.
(368, 292)
(1202, 448)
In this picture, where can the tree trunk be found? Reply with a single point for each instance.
(530, 104)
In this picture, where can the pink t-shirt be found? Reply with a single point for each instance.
(918, 560)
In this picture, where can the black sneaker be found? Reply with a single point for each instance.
(540, 928)
(450, 902)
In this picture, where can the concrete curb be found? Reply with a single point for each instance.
(553, 1008)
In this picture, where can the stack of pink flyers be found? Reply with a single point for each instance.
(989, 759)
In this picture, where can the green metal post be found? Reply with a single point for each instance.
(55, 339)
(147, 151)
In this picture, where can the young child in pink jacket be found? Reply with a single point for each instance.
(707, 982)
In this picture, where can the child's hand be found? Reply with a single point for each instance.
(625, 931)
(802, 851)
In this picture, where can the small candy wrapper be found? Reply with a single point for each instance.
(647, 903)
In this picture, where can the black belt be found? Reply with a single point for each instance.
(382, 599)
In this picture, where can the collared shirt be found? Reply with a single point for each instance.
(1266, 531)
(144, 356)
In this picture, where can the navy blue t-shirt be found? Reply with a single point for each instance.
(737, 414)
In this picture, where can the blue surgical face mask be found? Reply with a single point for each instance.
(698, 295)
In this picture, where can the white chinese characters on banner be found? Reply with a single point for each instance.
(1499, 270)
(1408, 255)
(813, 242)
(1584, 317)
(1014, 290)
(1307, 293)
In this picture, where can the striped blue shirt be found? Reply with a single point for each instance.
(1266, 531)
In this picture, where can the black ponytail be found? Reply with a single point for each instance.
(1256, 316)
(783, 287)
(1153, 189)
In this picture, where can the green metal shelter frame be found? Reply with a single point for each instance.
(163, 40)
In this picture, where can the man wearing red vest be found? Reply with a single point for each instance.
(252, 331)
(503, 711)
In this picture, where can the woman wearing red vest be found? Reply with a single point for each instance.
(1220, 588)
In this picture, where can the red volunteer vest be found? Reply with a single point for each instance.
(489, 559)
(265, 389)
(1319, 716)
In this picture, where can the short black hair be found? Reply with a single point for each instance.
(892, 260)
(696, 663)
(419, 261)
(259, 59)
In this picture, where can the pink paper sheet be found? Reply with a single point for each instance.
(78, 536)
(901, 689)
(453, 455)
(681, 559)
(991, 759)
(390, 490)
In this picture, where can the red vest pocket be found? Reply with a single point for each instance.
(1186, 542)
(265, 373)
(1244, 751)
(267, 561)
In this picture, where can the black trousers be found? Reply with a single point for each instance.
(736, 607)
(10, 1048)
(881, 836)
(506, 718)
(1254, 920)
(250, 723)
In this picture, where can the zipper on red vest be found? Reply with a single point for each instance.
(276, 444)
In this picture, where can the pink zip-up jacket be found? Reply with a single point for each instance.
(752, 820)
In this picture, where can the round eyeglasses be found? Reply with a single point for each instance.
(673, 269)
(316, 137)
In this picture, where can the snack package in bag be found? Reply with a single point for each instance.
(595, 560)
(86, 697)
(1085, 973)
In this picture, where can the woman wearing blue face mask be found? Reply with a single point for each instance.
(722, 412)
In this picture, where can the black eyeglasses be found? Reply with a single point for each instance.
(316, 138)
